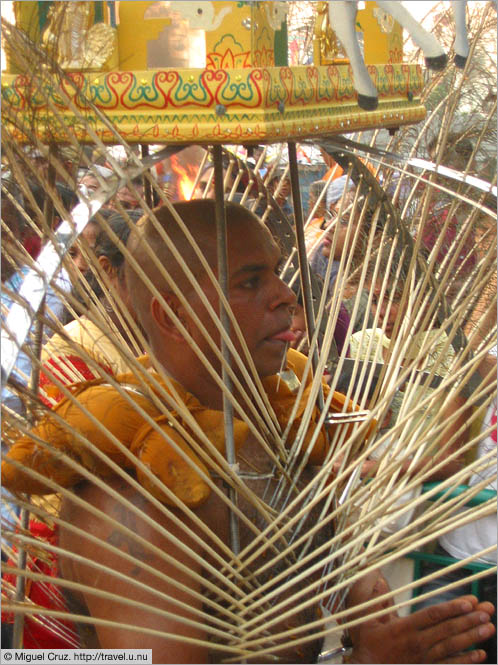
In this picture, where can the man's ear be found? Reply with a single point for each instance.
(106, 266)
(162, 318)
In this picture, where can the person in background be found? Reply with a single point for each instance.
(480, 534)
(67, 355)
(279, 187)
(319, 240)
(298, 325)
(126, 197)
(15, 267)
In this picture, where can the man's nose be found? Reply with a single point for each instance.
(81, 263)
(382, 307)
(282, 294)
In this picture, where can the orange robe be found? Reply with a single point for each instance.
(99, 402)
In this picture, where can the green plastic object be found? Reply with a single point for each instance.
(478, 499)
(439, 559)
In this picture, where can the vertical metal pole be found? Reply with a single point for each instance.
(18, 631)
(304, 268)
(221, 243)
(148, 194)
(17, 635)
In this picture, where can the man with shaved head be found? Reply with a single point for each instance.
(174, 565)
(261, 302)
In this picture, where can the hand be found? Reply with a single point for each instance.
(368, 468)
(436, 634)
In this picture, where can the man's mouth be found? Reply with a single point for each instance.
(286, 335)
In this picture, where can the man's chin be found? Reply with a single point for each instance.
(271, 363)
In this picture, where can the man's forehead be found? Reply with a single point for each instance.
(256, 253)
(248, 240)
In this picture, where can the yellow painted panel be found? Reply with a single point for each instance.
(134, 33)
(380, 46)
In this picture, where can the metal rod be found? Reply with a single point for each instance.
(34, 380)
(18, 631)
(148, 194)
(304, 268)
(221, 243)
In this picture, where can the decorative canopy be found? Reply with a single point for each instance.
(205, 72)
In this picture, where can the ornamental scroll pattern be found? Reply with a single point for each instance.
(262, 88)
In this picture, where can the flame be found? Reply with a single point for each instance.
(185, 178)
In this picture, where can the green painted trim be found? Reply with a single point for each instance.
(99, 12)
(43, 9)
(281, 47)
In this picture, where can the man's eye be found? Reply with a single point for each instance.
(250, 283)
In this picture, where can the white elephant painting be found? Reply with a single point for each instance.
(200, 15)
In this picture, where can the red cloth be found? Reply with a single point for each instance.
(59, 364)
(32, 244)
(41, 635)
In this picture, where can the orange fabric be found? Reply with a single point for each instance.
(98, 402)
(335, 171)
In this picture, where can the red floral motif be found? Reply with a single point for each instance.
(287, 79)
(264, 57)
(22, 88)
(115, 79)
(257, 76)
(213, 81)
(318, 84)
(333, 76)
(389, 72)
(228, 60)
(395, 55)
(374, 75)
(239, 60)
(165, 82)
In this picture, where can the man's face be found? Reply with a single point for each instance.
(284, 188)
(387, 307)
(298, 327)
(261, 302)
(342, 224)
(77, 252)
(127, 198)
